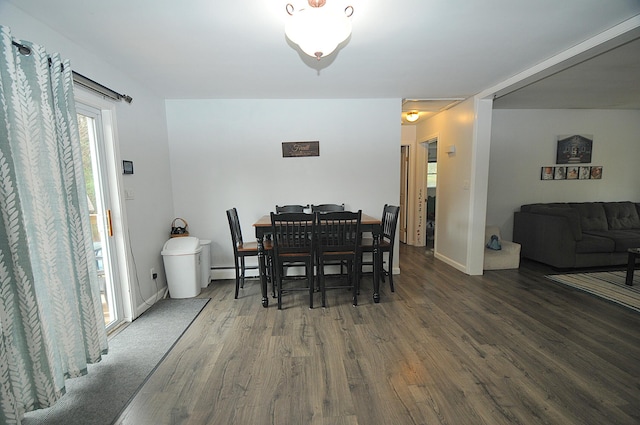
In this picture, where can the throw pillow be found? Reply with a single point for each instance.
(494, 243)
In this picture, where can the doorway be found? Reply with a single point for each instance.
(404, 193)
(430, 199)
(99, 197)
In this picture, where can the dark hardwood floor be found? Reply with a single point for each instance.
(509, 347)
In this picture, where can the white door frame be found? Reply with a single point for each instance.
(122, 267)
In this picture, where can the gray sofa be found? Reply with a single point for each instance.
(577, 234)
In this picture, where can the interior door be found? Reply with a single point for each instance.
(98, 194)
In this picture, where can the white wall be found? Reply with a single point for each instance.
(523, 141)
(454, 127)
(142, 138)
(228, 153)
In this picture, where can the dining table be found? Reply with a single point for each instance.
(367, 224)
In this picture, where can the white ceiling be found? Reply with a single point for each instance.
(608, 80)
(410, 49)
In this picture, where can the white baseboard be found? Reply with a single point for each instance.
(146, 304)
(451, 262)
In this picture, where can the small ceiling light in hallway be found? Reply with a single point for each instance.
(413, 116)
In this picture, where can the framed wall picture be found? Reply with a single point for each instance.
(573, 172)
(127, 167)
(547, 173)
(596, 172)
(575, 149)
(585, 173)
(560, 173)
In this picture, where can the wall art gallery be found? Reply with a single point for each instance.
(574, 151)
(571, 172)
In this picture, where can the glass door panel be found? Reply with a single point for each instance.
(99, 211)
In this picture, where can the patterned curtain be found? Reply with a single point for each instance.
(51, 321)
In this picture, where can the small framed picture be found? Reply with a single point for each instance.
(546, 173)
(573, 172)
(585, 173)
(560, 173)
(127, 167)
(596, 172)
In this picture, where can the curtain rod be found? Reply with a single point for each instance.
(82, 80)
(99, 88)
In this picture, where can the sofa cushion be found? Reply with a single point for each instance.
(561, 211)
(622, 215)
(591, 243)
(592, 215)
(622, 239)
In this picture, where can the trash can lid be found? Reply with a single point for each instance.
(181, 246)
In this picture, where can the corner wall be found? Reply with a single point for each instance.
(523, 141)
(454, 206)
(228, 153)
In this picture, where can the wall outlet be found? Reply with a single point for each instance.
(153, 274)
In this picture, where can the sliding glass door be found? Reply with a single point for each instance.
(98, 194)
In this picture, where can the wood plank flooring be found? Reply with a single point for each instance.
(509, 347)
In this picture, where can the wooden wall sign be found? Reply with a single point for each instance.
(298, 149)
(574, 149)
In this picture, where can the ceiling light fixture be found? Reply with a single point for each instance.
(318, 29)
(412, 116)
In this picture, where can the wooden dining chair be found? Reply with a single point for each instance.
(291, 208)
(387, 241)
(293, 236)
(322, 208)
(338, 240)
(242, 249)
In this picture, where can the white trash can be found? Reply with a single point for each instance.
(205, 262)
(181, 257)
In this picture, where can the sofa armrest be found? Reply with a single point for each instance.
(510, 247)
(545, 238)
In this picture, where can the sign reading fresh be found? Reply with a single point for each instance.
(298, 149)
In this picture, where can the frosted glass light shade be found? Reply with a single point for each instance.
(412, 116)
(318, 30)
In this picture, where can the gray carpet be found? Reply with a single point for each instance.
(607, 285)
(100, 396)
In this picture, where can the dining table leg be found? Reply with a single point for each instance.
(377, 262)
(262, 265)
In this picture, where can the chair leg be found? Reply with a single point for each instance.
(310, 282)
(390, 271)
(271, 275)
(278, 280)
(237, 278)
(352, 272)
(317, 273)
(242, 272)
(358, 273)
(323, 290)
